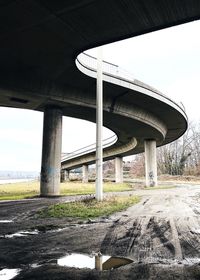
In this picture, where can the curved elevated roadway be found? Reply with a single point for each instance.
(132, 109)
(40, 40)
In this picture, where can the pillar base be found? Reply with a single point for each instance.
(50, 195)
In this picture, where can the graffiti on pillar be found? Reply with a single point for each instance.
(151, 179)
(49, 174)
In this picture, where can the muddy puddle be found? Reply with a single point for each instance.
(7, 274)
(96, 261)
(20, 234)
(39, 230)
(33, 231)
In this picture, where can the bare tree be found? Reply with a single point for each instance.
(137, 166)
(176, 157)
(193, 163)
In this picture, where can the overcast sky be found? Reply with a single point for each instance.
(168, 60)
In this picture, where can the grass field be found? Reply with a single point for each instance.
(31, 189)
(89, 208)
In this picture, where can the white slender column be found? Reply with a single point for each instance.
(51, 152)
(119, 170)
(85, 173)
(150, 163)
(99, 124)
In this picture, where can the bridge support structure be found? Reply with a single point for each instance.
(51, 152)
(85, 173)
(64, 175)
(150, 163)
(118, 170)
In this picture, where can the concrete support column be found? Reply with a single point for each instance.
(119, 170)
(99, 262)
(85, 173)
(64, 175)
(150, 163)
(51, 152)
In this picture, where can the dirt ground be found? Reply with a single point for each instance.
(161, 234)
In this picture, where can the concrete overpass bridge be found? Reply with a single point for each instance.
(137, 114)
(40, 41)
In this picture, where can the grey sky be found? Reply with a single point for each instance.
(168, 60)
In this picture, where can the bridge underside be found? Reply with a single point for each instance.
(41, 39)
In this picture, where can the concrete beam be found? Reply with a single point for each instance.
(85, 173)
(64, 175)
(51, 152)
(150, 163)
(119, 170)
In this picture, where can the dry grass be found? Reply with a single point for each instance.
(31, 189)
(19, 190)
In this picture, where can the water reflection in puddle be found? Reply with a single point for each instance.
(35, 265)
(7, 274)
(20, 234)
(25, 233)
(97, 261)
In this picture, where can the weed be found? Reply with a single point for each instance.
(89, 208)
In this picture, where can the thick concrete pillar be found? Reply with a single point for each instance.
(119, 170)
(85, 173)
(150, 163)
(64, 175)
(51, 152)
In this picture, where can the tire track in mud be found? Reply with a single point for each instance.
(178, 251)
(142, 238)
(147, 237)
(118, 236)
(189, 230)
(189, 236)
(142, 227)
(159, 232)
(159, 228)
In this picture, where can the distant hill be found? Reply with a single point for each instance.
(8, 174)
